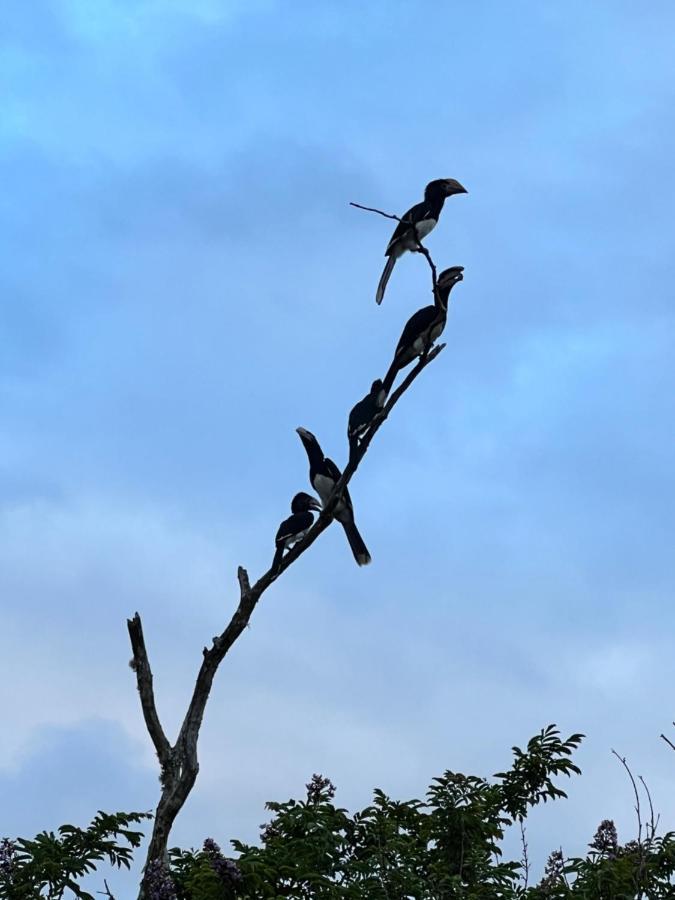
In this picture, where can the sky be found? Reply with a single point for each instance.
(183, 283)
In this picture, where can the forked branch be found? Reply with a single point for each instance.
(179, 763)
(420, 248)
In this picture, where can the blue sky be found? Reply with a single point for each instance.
(182, 283)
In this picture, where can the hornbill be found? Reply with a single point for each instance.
(424, 216)
(323, 476)
(364, 412)
(295, 527)
(424, 326)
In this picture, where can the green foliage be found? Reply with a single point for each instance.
(51, 864)
(445, 847)
(204, 873)
(529, 780)
(637, 869)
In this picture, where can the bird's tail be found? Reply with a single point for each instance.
(276, 562)
(386, 274)
(359, 549)
(390, 376)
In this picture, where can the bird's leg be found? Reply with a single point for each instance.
(426, 350)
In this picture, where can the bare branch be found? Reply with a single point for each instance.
(425, 253)
(653, 822)
(378, 211)
(106, 892)
(641, 850)
(250, 594)
(141, 666)
(179, 763)
(525, 861)
(244, 583)
(622, 760)
(420, 246)
(668, 741)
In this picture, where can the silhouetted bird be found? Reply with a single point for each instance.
(364, 412)
(295, 527)
(424, 216)
(323, 476)
(424, 326)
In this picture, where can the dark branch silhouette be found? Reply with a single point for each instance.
(141, 665)
(106, 892)
(179, 763)
(420, 246)
(668, 741)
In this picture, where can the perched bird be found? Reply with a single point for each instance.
(295, 527)
(323, 476)
(424, 216)
(424, 326)
(364, 412)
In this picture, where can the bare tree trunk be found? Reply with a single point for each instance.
(178, 762)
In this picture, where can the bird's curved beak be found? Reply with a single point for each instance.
(451, 276)
(454, 187)
(314, 504)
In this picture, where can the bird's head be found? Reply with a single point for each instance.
(445, 186)
(303, 502)
(448, 279)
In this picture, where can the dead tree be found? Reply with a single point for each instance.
(179, 762)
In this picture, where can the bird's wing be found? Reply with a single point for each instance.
(286, 528)
(415, 214)
(293, 525)
(332, 469)
(416, 325)
(359, 414)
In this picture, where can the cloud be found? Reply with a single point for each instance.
(375, 686)
(185, 284)
(66, 774)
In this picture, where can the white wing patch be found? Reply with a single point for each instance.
(293, 539)
(424, 227)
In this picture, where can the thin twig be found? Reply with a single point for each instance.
(638, 885)
(525, 860)
(106, 892)
(622, 760)
(378, 211)
(653, 823)
(420, 246)
(668, 741)
(564, 874)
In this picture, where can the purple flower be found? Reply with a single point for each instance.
(7, 852)
(211, 847)
(158, 883)
(320, 788)
(554, 871)
(226, 869)
(605, 840)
